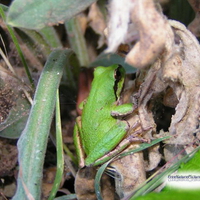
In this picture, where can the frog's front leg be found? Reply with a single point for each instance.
(122, 110)
(77, 142)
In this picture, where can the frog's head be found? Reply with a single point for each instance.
(112, 77)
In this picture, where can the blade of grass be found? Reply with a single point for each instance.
(51, 37)
(33, 141)
(45, 40)
(143, 146)
(12, 34)
(97, 181)
(77, 40)
(104, 166)
(35, 42)
(59, 150)
(70, 154)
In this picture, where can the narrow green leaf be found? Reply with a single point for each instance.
(77, 40)
(59, 150)
(36, 14)
(143, 146)
(107, 59)
(50, 35)
(33, 141)
(5, 8)
(98, 179)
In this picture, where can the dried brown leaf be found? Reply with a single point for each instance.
(151, 26)
(177, 68)
(97, 22)
(130, 173)
(84, 185)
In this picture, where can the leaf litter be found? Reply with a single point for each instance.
(166, 54)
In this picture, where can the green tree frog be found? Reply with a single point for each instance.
(101, 128)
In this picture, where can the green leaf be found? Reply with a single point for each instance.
(50, 35)
(5, 8)
(143, 146)
(59, 150)
(110, 59)
(33, 141)
(36, 14)
(97, 181)
(192, 167)
(77, 40)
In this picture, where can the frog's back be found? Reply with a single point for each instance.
(102, 92)
(102, 95)
(97, 110)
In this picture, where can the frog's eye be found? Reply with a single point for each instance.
(118, 74)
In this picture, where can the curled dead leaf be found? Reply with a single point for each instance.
(128, 23)
(152, 35)
(84, 185)
(97, 22)
(129, 173)
(178, 69)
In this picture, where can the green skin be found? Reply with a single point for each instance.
(99, 130)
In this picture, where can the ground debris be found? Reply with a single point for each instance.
(8, 158)
(178, 69)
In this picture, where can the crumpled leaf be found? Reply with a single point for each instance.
(185, 122)
(127, 178)
(85, 185)
(149, 37)
(178, 69)
(97, 22)
(36, 14)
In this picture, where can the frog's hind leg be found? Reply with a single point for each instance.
(108, 143)
(134, 137)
